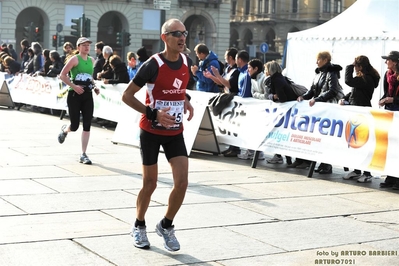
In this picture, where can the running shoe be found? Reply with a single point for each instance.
(62, 135)
(139, 234)
(169, 237)
(84, 159)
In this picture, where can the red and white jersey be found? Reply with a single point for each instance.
(168, 90)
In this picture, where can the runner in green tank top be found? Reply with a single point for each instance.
(83, 71)
(77, 74)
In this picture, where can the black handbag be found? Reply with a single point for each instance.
(218, 102)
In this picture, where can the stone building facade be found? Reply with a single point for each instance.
(217, 23)
(206, 20)
(253, 22)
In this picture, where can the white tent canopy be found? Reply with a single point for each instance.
(368, 27)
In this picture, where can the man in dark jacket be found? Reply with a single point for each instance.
(12, 52)
(207, 60)
(100, 61)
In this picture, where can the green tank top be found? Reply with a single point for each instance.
(83, 71)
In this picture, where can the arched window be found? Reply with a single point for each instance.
(294, 6)
(270, 37)
(337, 6)
(234, 8)
(273, 7)
(266, 6)
(247, 7)
(326, 6)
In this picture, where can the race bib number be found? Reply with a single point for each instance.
(176, 110)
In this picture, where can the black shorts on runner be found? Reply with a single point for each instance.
(150, 144)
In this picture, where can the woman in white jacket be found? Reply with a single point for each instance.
(258, 88)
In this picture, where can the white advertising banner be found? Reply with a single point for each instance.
(52, 93)
(38, 91)
(355, 137)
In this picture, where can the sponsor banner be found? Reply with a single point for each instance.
(52, 93)
(39, 91)
(356, 137)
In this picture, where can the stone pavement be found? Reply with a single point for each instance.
(55, 211)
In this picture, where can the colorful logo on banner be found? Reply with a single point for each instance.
(357, 131)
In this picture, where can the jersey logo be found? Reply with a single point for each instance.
(177, 83)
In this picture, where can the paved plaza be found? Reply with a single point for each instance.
(56, 211)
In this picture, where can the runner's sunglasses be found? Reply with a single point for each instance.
(177, 33)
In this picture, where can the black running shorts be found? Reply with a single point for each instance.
(150, 144)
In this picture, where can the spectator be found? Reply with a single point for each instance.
(255, 70)
(229, 79)
(244, 90)
(100, 61)
(47, 62)
(106, 72)
(38, 60)
(28, 65)
(142, 56)
(390, 101)
(132, 64)
(325, 88)
(11, 50)
(11, 66)
(280, 91)
(262, 92)
(244, 80)
(207, 60)
(69, 51)
(3, 55)
(119, 69)
(363, 85)
(24, 55)
(57, 64)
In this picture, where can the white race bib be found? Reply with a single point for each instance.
(176, 110)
